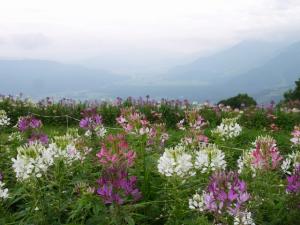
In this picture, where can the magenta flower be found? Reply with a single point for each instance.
(225, 193)
(28, 122)
(293, 185)
(117, 187)
(266, 155)
(296, 135)
(91, 119)
(42, 138)
(116, 153)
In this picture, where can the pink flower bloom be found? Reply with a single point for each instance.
(225, 193)
(266, 155)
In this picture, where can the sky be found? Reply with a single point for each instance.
(144, 31)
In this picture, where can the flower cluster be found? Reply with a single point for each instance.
(293, 185)
(265, 156)
(70, 148)
(209, 158)
(116, 153)
(15, 136)
(193, 125)
(291, 162)
(136, 123)
(4, 120)
(296, 136)
(115, 184)
(3, 191)
(133, 122)
(225, 194)
(192, 120)
(176, 162)
(92, 123)
(26, 123)
(32, 161)
(38, 137)
(31, 126)
(228, 129)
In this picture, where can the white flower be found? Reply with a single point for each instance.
(244, 161)
(197, 202)
(69, 153)
(209, 157)
(228, 129)
(3, 191)
(290, 163)
(4, 120)
(32, 160)
(243, 218)
(15, 136)
(175, 161)
(101, 131)
(88, 133)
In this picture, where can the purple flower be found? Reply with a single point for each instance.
(293, 185)
(91, 120)
(28, 122)
(225, 193)
(116, 186)
(42, 138)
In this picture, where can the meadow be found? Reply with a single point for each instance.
(142, 161)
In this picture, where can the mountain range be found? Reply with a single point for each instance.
(262, 69)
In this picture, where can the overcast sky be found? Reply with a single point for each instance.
(79, 29)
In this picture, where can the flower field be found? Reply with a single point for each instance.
(141, 161)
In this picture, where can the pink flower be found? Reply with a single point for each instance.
(266, 155)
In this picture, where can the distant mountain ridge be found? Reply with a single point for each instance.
(275, 68)
(227, 63)
(42, 77)
(261, 69)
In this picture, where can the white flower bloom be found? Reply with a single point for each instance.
(32, 160)
(209, 158)
(69, 153)
(88, 133)
(4, 120)
(243, 218)
(197, 202)
(101, 131)
(290, 163)
(244, 161)
(3, 191)
(15, 136)
(228, 129)
(175, 161)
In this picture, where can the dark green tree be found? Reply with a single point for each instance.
(293, 94)
(241, 100)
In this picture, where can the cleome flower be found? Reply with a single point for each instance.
(32, 160)
(4, 120)
(265, 156)
(293, 181)
(3, 191)
(176, 162)
(225, 195)
(116, 186)
(228, 129)
(290, 163)
(209, 158)
(92, 123)
(26, 123)
(296, 136)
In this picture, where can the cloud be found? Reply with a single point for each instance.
(31, 41)
(85, 28)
